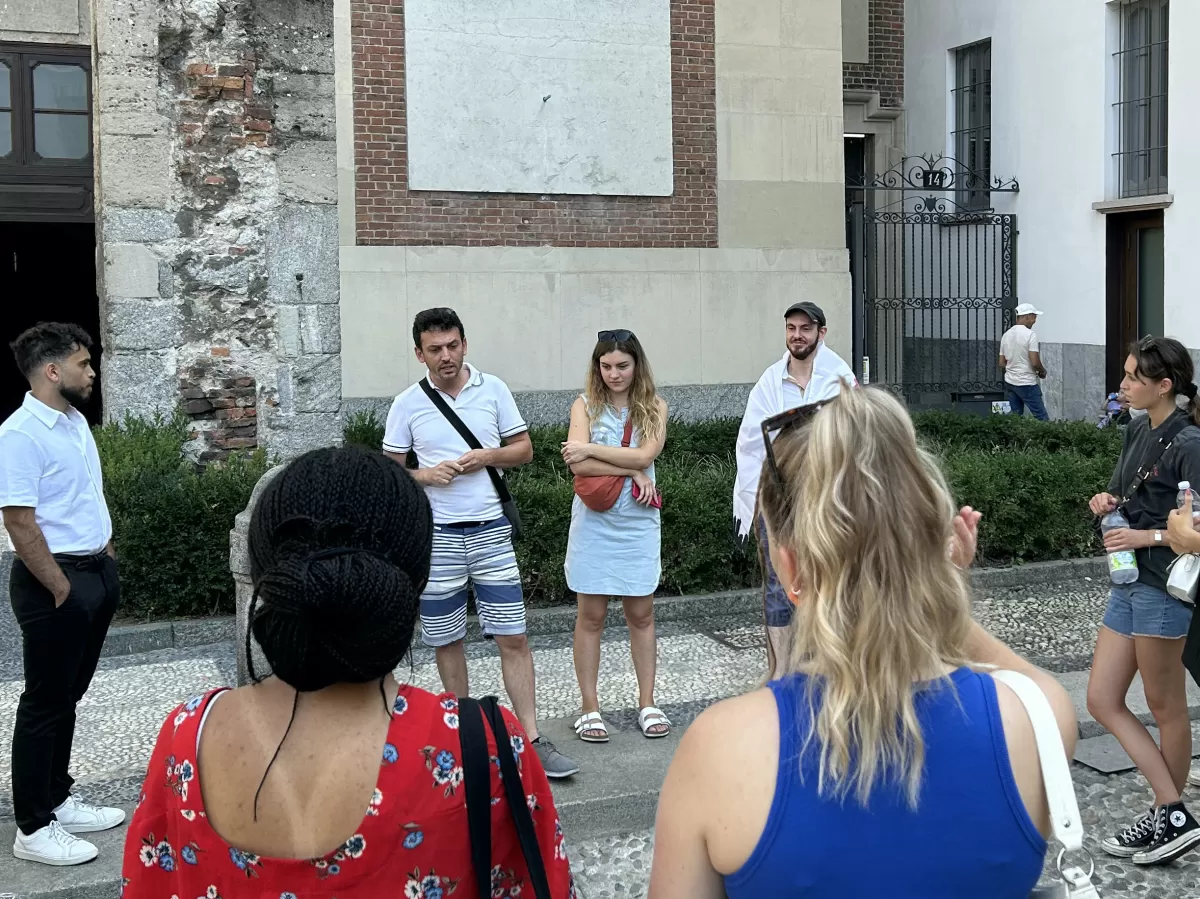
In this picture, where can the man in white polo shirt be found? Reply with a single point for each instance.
(64, 586)
(472, 540)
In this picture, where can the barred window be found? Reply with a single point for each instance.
(972, 95)
(1141, 106)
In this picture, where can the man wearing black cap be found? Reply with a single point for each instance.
(808, 373)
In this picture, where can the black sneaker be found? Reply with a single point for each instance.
(1133, 839)
(1175, 832)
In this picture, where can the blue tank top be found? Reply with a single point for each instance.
(969, 836)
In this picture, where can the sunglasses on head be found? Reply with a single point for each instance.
(620, 335)
(785, 421)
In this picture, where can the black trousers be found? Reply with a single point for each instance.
(61, 647)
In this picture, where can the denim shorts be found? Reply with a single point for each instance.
(1135, 610)
(779, 608)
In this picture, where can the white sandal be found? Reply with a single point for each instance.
(591, 722)
(652, 717)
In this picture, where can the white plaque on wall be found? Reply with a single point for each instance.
(539, 96)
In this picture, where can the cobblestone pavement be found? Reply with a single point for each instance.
(699, 662)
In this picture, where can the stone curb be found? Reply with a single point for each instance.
(186, 633)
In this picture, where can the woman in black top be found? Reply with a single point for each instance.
(1144, 627)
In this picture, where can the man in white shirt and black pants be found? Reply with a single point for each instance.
(472, 538)
(1021, 362)
(64, 586)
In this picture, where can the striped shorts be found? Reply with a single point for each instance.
(482, 556)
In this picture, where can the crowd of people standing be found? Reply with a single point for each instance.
(890, 722)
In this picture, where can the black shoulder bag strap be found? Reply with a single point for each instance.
(478, 785)
(472, 716)
(507, 503)
(1146, 469)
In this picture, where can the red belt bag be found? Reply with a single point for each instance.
(601, 492)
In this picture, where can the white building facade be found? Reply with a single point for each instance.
(1084, 103)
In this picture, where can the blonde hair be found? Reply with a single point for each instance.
(882, 607)
(645, 412)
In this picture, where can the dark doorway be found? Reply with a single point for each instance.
(47, 273)
(1135, 285)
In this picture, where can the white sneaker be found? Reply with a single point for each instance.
(1194, 777)
(77, 816)
(53, 846)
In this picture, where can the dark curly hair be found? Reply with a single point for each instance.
(339, 554)
(1165, 358)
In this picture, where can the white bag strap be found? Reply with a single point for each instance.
(1065, 820)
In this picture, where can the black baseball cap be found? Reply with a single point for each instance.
(812, 310)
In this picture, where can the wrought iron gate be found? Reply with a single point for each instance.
(934, 280)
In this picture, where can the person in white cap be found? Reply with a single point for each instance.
(1022, 364)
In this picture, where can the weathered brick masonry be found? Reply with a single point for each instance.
(388, 213)
(885, 72)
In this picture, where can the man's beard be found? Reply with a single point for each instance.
(77, 398)
(803, 354)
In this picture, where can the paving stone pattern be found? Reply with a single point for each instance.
(699, 662)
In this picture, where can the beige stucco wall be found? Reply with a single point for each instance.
(46, 21)
(707, 316)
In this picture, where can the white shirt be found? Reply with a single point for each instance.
(775, 392)
(1015, 346)
(488, 409)
(49, 463)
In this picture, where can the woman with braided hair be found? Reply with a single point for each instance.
(328, 777)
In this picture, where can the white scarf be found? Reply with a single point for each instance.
(767, 399)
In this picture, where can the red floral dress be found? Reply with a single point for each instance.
(413, 841)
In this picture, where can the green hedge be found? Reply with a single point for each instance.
(1031, 480)
(171, 519)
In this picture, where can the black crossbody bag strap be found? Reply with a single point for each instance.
(478, 785)
(515, 793)
(474, 717)
(472, 441)
(1147, 467)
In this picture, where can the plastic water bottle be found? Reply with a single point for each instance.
(1122, 564)
(1184, 487)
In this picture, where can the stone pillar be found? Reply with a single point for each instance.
(239, 565)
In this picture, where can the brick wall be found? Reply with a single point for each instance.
(225, 416)
(388, 213)
(885, 71)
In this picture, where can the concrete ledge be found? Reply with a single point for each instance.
(184, 634)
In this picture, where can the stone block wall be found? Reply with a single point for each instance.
(885, 71)
(217, 218)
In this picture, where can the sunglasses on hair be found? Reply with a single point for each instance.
(620, 335)
(785, 421)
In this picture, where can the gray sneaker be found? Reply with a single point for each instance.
(556, 764)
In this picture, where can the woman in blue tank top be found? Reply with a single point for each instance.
(885, 761)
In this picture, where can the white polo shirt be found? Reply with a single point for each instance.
(1015, 346)
(48, 462)
(488, 409)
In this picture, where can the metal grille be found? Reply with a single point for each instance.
(972, 95)
(938, 294)
(934, 285)
(1141, 107)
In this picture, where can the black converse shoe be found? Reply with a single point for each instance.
(1133, 839)
(1175, 832)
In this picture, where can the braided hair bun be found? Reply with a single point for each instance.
(339, 554)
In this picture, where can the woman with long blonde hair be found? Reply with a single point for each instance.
(618, 427)
(880, 762)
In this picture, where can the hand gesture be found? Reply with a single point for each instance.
(444, 472)
(475, 460)
(1102, 503)
(646, 489)
(576, 451)
(1181, 526)
(965, 541)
